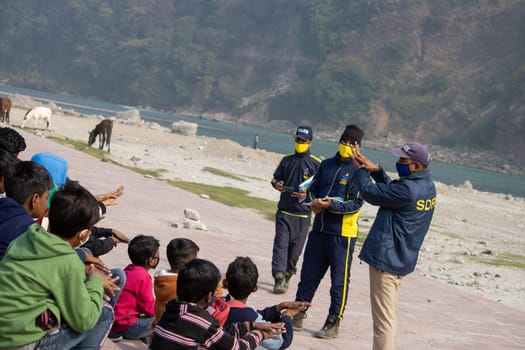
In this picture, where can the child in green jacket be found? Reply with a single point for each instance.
(47, 299)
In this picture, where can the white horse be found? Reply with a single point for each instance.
(38, 113)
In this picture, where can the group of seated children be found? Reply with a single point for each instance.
(50, 299)
(57, 294)
(187, 311)
(53, 294)
(192, 312)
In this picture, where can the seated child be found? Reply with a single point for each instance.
(90, 250)
(27, 189)
(56, 166)
(179, 251)
(241, 281)
(102, 240)
(135, 309)
(187, 325)
(47, 299)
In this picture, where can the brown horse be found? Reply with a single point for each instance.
(5, 108)
(103, 131)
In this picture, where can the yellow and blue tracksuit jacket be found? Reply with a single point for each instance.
(335, 179)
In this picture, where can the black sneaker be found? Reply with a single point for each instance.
(330, 329)
(279, 287)
(297, 321)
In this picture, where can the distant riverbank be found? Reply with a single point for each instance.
(501, 163)
(487, 160)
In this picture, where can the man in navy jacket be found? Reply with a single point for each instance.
(335, 200)
(292, 218)
(406, 207)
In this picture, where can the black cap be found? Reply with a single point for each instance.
(352, 134)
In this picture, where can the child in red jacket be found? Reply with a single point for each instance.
(135, 309)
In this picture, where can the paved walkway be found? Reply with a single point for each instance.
(433, 315)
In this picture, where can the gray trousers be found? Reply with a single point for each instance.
(291, 230)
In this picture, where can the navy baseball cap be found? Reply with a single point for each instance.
(305, 132)
(414, 151)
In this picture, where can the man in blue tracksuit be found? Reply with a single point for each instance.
(293, 216)
(334, 198)
(406, 207)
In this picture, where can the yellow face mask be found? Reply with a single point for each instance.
(301, 147)
(345, 151)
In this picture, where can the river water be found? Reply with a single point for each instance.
(483, 180)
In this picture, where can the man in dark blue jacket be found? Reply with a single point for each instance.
(335, 200)
(293, 216)
(391, 249)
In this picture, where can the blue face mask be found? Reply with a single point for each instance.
(403, 170)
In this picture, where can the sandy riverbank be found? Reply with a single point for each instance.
(468, 225)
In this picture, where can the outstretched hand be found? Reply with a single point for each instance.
(291, 308)
(118, 236)
(110, 198)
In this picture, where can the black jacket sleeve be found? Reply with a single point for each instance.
(100, 232)
(99, 246)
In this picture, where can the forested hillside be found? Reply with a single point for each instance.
(448, 72)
